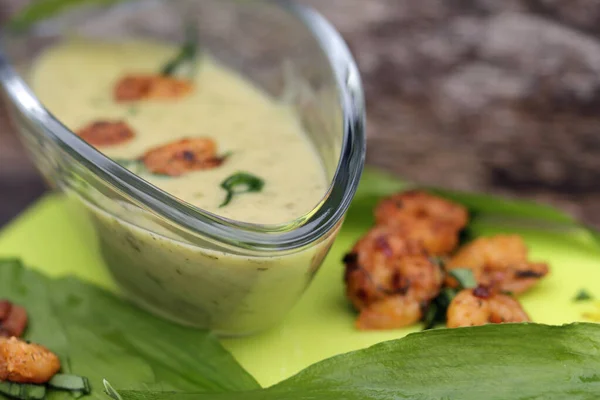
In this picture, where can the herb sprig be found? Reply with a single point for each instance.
(188, 53)
(436, 312)
(241, 182)
(465, 277)
(583, 295)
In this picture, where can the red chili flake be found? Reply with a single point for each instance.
(382, 244)
(400, 284)
(361, 294)
(483, 292)
(529, 274)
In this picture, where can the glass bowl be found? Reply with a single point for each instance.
(167, 256)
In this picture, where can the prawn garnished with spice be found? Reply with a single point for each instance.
(151, 87)
(185, 155)
(500, 262)
(23, 362)
(434, 221)
(483, 305)
(106, 133)
(387, 265)
(393, 277)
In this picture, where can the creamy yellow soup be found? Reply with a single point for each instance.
(192, 280)
(261, 136)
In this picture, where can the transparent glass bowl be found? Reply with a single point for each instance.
(169, 257)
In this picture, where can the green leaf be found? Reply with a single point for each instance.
(493, 362)
(465, 277)
(583, 295)
(436, 312)
(40, 10)
(241, 182)
(99, 336)
(187, 54)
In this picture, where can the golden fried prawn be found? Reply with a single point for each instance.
(390, 313)
(417, 205)
(480, 306)
(500, 262)
(433, 221)
(143, 87)
(436, 237)
(106, 133)
(24, 362)
(185, 155)
(385, 263)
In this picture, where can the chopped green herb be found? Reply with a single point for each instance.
(436, 312)
(239, 183)
(70, 382)
(226, 155)
(583, 295)
(23, 391)
(187, 53)
(432, 317)
(132, 110)
(465, 278)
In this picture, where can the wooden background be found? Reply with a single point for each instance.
(486, 95)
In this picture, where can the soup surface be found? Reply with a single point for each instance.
(250, 131)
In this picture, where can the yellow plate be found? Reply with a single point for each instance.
(48, 238)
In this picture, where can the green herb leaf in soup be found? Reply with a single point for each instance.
(188, 54)
(239, 183)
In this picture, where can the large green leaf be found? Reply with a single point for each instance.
(494, 362)
(100, 336)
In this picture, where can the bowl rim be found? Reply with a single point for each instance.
(289, 236)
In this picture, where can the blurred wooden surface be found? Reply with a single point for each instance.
(493, 96)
